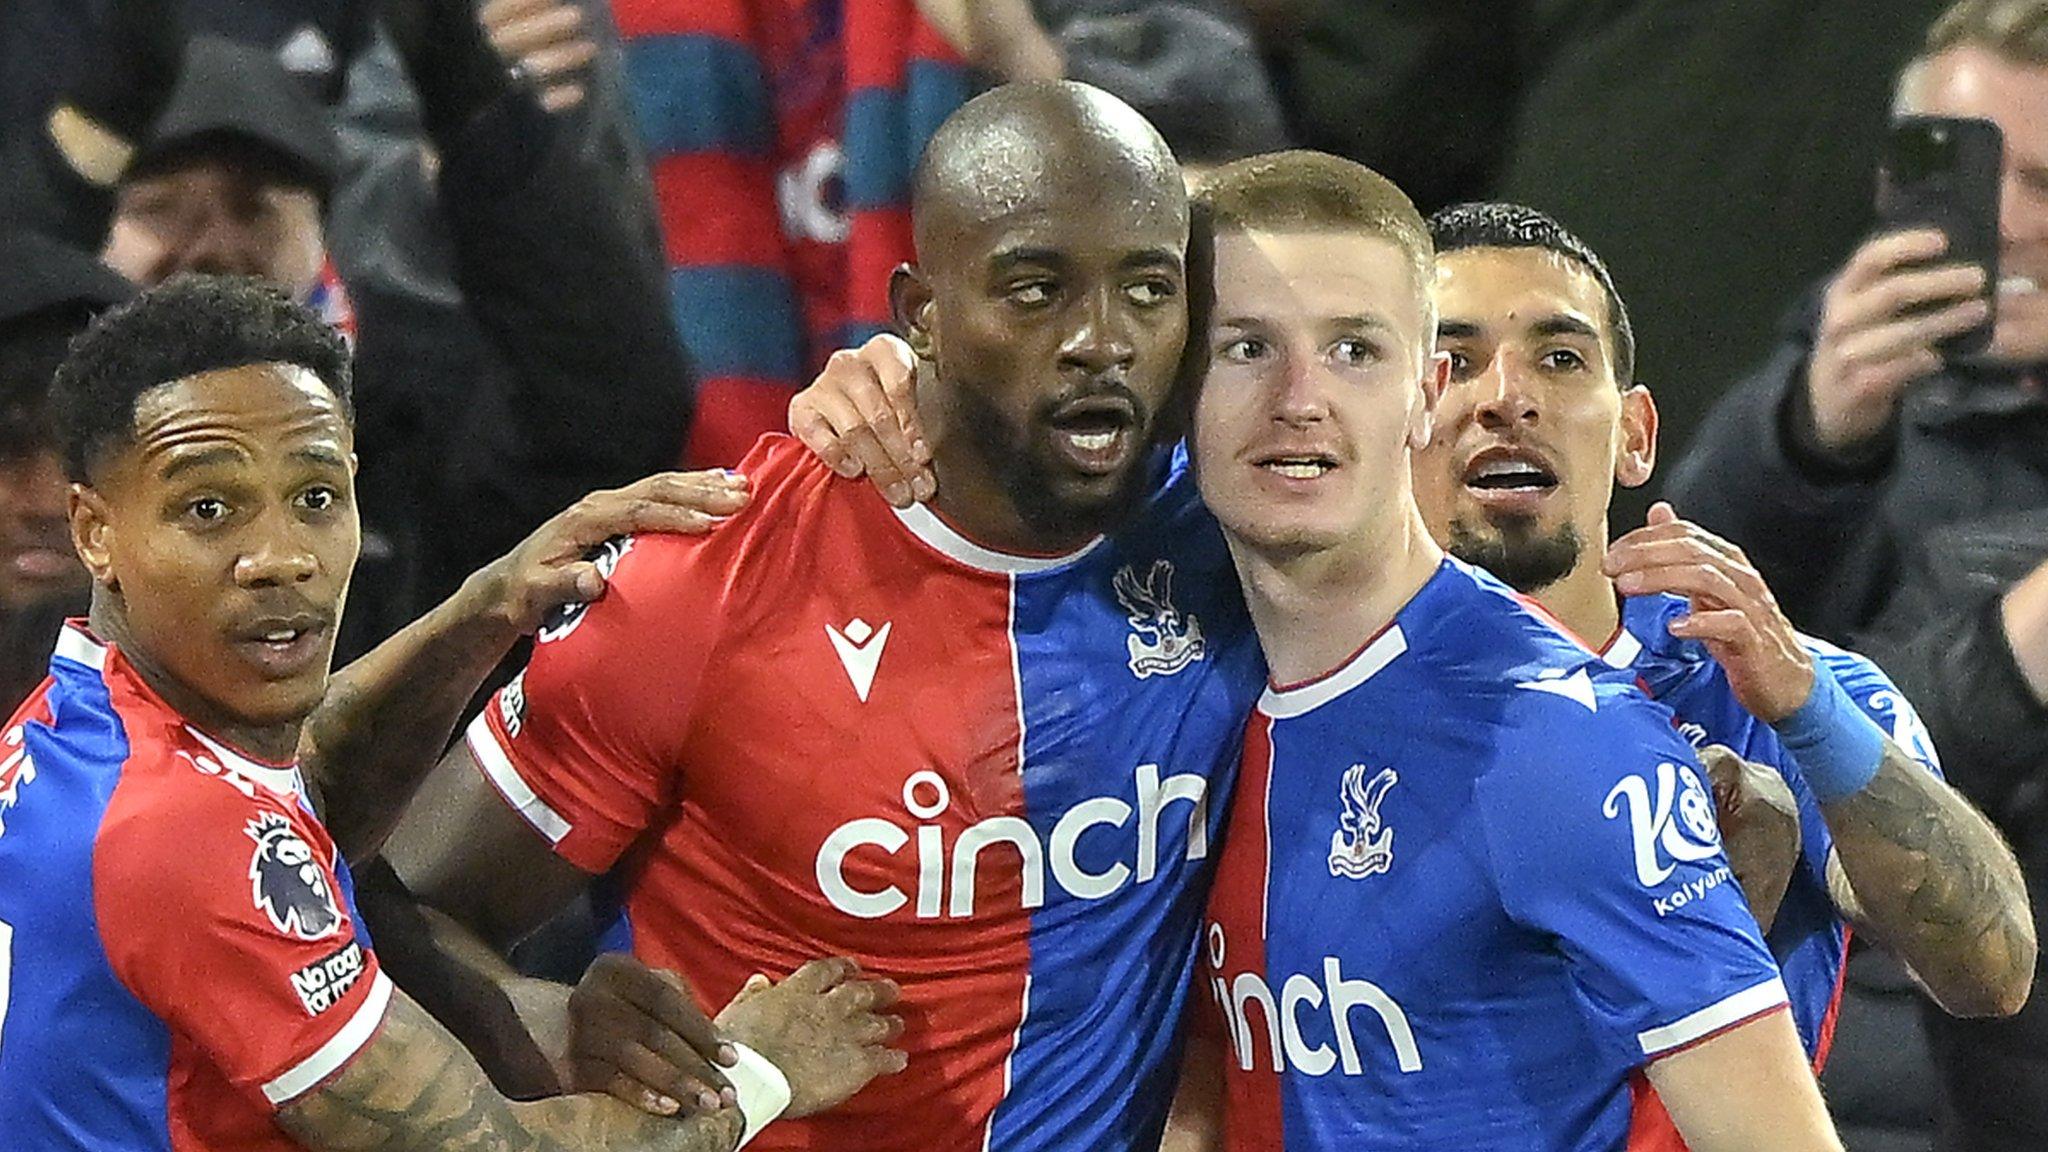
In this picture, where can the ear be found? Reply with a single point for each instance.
(1436, 376)
(910, 304)
(1635, 456)
(92, 534)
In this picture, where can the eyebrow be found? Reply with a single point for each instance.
(1239, 322)
(1009, 258)
(194, 461)
(1559, 324)
(1456, 329)
(322, 456)
(1151, 257)
(209, 457)
(1360, 323)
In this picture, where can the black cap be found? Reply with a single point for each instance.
(38, 274)
(236, 95)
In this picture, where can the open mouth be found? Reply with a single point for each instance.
(282, 645)
(1510, 470)
(1095, 435)
(1298, 465)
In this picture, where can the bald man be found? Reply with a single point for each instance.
(979, 746)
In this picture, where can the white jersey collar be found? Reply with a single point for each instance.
(81, 647)
(1287, 703)
(1623, 650)
(943, 539)
(281, 779)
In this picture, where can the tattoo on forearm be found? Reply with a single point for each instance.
(383, 725)
(1936, 885)
(415, 1090)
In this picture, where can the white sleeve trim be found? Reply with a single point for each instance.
(337, 1051)
(497, 766)
(1714, 1017)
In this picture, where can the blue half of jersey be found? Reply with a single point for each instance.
(1519, 856)
(1809, 936)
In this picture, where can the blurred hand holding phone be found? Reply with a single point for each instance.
(1943, 174)
(1919, 293)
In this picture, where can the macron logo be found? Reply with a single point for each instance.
(1576, 687)
(860, 652)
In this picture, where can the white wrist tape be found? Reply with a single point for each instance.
(762, 1088)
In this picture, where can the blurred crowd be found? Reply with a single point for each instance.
(575, 241)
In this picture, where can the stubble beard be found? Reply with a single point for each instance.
(1518, 554)
(1018, 461)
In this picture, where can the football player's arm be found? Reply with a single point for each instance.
(1746, 1089)
(563, 773)
(860, 417)
(388, 716)
(823, 1032)
(468, 878)
(1759, 828)
(1927, 874)
(1195, 1122)
(283, 997)
(413, 1088)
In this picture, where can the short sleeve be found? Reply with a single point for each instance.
(1881, 700)
(1601, 828)
(220, 910)
(586, 742)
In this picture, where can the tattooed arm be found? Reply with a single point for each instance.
(1927, 876)
(387, 717)
(414, 1089)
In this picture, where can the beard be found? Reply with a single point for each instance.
(1048, 497)
(1517, 554)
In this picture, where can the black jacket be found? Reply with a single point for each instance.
(1904, 557)
(557, 372)
(1968, 445)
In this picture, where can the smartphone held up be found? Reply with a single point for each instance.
(1943, 173)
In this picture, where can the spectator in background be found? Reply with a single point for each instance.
(477, 421)
(782, 134)
(48, 45)
(1898, 500)
(389, 233)
(1675, 134)
(231, 179)
(48, 294)
(1191, 66)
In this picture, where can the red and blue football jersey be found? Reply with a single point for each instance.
(828, 727)
(1809, 937)
(1468, 891)
(179, 957)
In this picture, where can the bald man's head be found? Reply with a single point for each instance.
(1027, 142)
(1048, 305)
